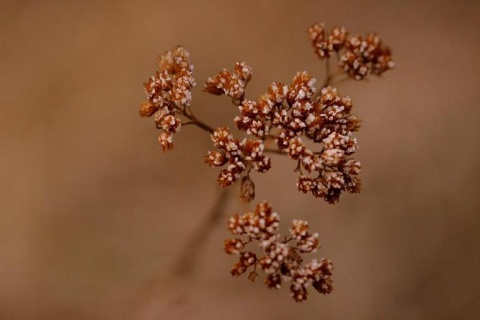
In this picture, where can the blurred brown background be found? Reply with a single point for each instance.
(91, 209)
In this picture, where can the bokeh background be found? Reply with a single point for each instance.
(93, 214)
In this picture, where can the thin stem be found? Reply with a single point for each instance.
(328, 79)
(287, 240)
(150, 296)
(194, 247)
(299, 167)
(276, 151)
(201, 124)
(194, 120)
(340, 80)
(328, 75)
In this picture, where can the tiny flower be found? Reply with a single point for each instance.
(337, 38)
(175, 61)
(297, 149)
(320, 42)
(247, 259)
(306, 242)
(166, 141)
(233, 246)
(243, 71)
(273, 281)
(171, 124)
(301, 88)
(298, 291)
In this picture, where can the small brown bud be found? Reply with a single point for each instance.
(252, 276)
(247, 189)
(147, 109)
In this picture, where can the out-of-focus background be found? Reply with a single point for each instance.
(93, 214)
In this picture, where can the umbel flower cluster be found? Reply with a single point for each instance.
(289, 115)
(169, 91)
(359, 55)
(281, 257)
(311, 124)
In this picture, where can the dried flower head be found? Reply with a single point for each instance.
(321, 45)
(168, 91)
(366, 55)
(230, 84)
(280, 258)
(297, 114)
(358, 56)
(240, 156)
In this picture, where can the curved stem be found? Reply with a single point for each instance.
(328, 75)
(153, 291)
(194, 247)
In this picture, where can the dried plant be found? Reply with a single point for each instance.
(278, 122)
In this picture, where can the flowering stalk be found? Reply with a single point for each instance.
(313, 126)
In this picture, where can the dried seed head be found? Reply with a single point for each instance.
(280, 261)
(320, 42)
(167, 90)
(230, 84)
(366, 55)
(326, 119)
(238, 156)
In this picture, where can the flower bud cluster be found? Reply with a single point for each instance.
(358, 55)
(239, 156)
(332, 124)
(325, 44)
(169, 90)
(280, 260)
(295, 113)
(230, 84)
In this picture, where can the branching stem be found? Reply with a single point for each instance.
(187, 113)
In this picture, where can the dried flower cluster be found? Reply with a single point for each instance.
(312, 125)
(280, 258)
(240, 157)
(169, 91)
(231, 84)
(294, 112)
(359, 55)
